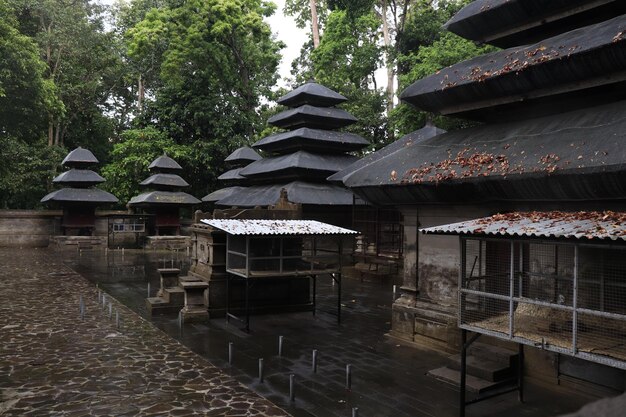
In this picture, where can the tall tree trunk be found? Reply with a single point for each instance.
(140, 93)
(388, 59)
(314, 24)
(50, 131)
(57, 134)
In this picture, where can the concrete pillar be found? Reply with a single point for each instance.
(409, 288)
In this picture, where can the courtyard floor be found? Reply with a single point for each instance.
(52, 362)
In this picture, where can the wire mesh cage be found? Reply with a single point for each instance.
(560, 296)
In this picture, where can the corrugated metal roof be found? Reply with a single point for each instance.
(590, 225)
(277, 227)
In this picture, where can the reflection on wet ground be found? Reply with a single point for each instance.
(66, 351)
(388, 379)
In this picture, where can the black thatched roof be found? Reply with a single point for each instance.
(79, 157)
(165, 180)
(572, 156)
(232, 177)
(242, 156)
(297, 165)
(311, 93)
(315, 140)
(406, 141)
(298, 192)
(575, 62)
(78, 177)
(221, 193)
(507, 23)
(159, 198)
(80, 195)
(164, 164)
(313, 117)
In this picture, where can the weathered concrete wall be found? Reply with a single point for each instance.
(28, 228)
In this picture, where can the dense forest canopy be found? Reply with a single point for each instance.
(195, 79)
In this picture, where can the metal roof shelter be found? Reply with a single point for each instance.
(553, 280)
(506, 23)
(571, 69)
(305, 156)
(585, 226)
(257, 249)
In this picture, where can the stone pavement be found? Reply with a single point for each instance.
(53, 362)
(388, 377)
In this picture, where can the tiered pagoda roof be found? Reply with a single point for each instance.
(78, 182)
(305, 156)
(165, 184)
(556, 111)
(233, 181)
(507, 23)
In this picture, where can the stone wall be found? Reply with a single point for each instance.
(28, 228)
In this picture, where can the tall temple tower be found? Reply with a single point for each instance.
(231, 179)
(165, 198)
(303, 157)
(79, 197)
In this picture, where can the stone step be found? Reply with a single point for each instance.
(492, 353)
(482, 368)
(157, 305)
(472, 383)
(175, 296)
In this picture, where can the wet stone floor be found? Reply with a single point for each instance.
(53, 363)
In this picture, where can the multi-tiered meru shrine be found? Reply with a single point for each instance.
(79, 197)
(303, 157)
(165, 198)
(232, 181)
(537, 194)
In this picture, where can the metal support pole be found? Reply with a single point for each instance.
(230, 353)
(261, 370)
(292, 388)
(280, 346)
(355, 412)
(511, 287)
(314, 361)
(247, 306)
(463, 372)
(149, 292)
(520, 372)
(348, 377)
(339, 298)
(314, 277)
(575, 303)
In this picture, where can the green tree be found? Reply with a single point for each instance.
(24, 94)
(131, 157)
